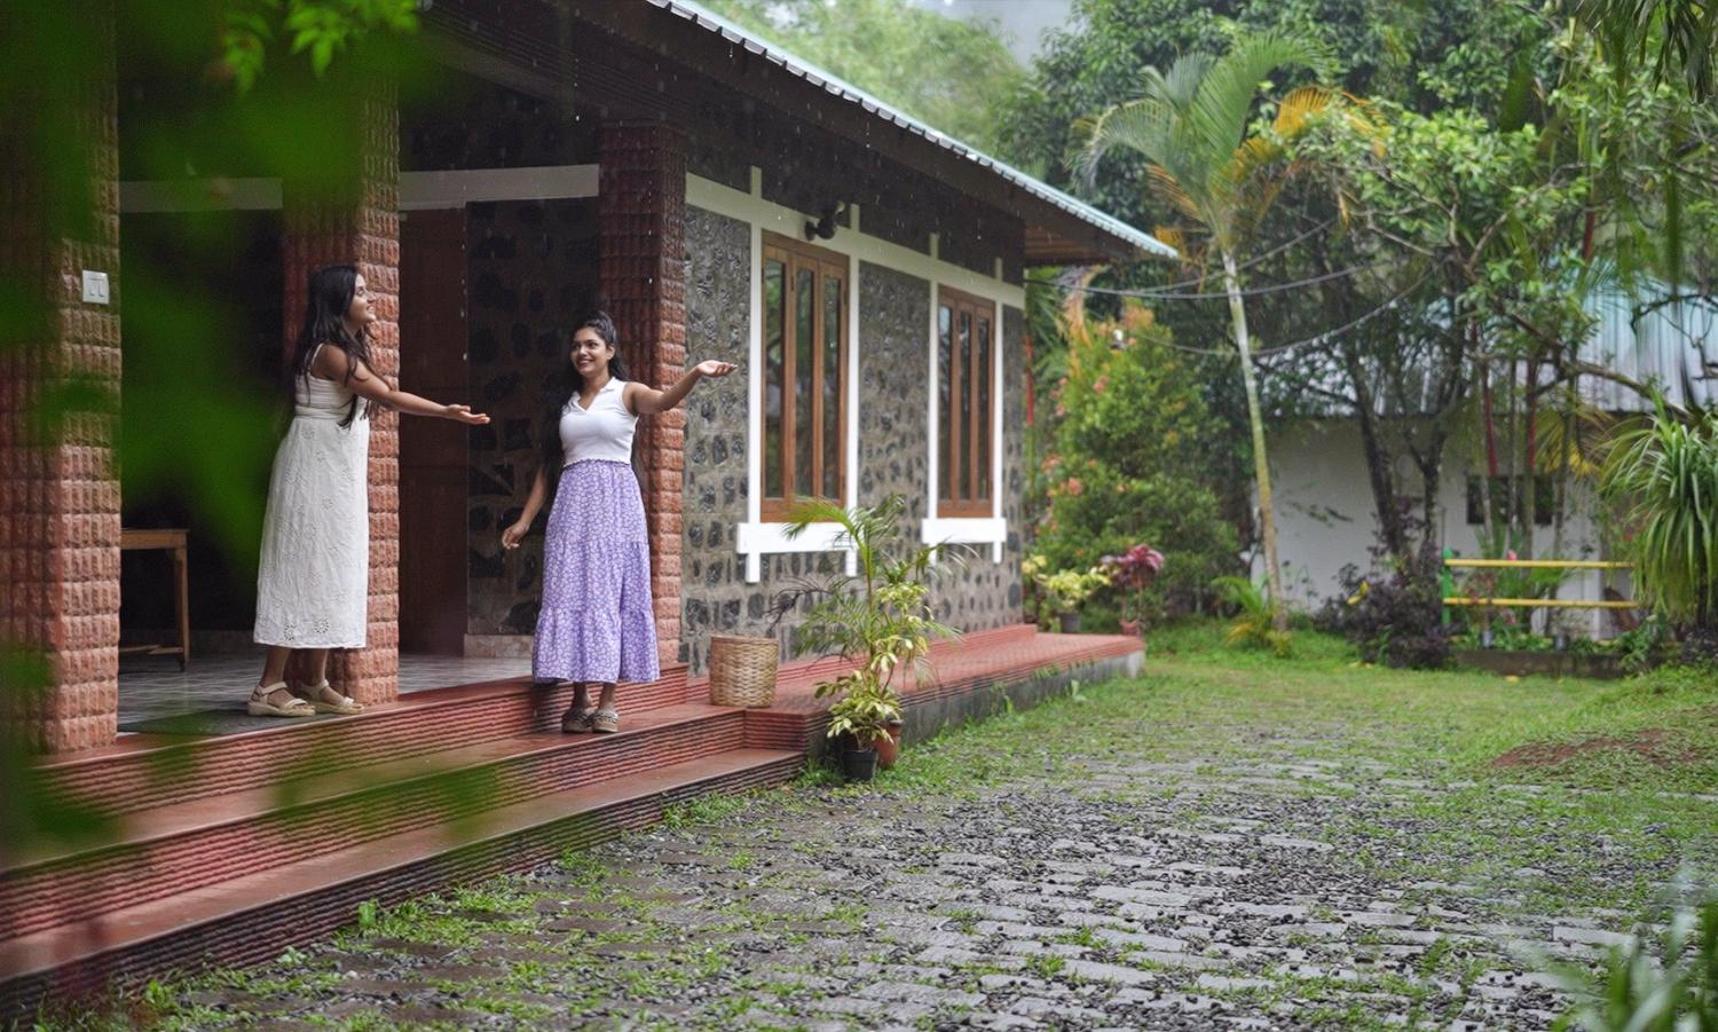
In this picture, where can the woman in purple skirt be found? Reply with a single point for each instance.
(596, 625)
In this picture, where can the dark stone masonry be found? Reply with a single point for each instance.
(532, 275)
(894, 312)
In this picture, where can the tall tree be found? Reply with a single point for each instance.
(1191, 126)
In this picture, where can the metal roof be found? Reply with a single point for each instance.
(1667, 347)
(715, 23)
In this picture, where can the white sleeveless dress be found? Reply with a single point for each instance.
(313, 576)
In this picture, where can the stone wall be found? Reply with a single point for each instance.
(716, 597)
(469, 123)
(976, 592)
(894, 316)
(531, 276)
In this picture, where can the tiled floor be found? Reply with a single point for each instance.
(152, 687)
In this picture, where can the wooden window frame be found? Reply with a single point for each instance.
(981, 421)
(796, 256)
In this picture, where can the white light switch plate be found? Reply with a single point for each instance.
(95, 287)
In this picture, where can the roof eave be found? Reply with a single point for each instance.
(1115, 240)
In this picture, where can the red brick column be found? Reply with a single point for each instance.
(59, 496)
(358, 221)
(641, 202)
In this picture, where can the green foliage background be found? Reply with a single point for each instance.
(944, 72)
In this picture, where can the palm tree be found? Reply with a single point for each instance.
(1663, 474)
(1677, 38)
(1191, 126)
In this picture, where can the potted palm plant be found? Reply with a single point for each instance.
(879, 617)
(865, 718)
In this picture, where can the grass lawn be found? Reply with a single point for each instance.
(1608, 787)
(1527, 804)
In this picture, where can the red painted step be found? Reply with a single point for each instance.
(253, 917)
(977, 662)
(148, 770)
(184, 846)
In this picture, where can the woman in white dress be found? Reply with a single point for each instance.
(313, 575)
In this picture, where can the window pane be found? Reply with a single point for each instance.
(805, 363)
(963, 487)
(832, 388)
(945, 415)
(775, 323)
(981, 432)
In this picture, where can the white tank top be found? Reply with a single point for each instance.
(604, 432)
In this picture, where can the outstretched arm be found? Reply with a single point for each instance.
(333, 363)
(644, 401)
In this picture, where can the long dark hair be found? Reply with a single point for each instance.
(567, 384)
(327, 301)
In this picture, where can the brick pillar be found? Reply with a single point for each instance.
(59, 495)
(356, 219)
(641, 202)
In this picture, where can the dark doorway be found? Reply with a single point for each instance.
(433, 463)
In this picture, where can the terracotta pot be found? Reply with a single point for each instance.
(1070, 623)
(1130, 628)
(888, 747)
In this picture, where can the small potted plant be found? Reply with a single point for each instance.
(1132, 574)
(880, 618)
(860, 721)
(1065, 591)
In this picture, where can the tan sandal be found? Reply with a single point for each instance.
(260, 705)
(605, 721)
(324, 699)
(577, 721)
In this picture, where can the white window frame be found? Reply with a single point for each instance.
(966, 530)
(754, 538)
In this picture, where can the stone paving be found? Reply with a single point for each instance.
(1134, 895)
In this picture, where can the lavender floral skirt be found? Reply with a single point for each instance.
(596, 623)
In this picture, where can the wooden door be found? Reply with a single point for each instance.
(433, 461)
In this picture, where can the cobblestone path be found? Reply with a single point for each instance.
(1096, 890)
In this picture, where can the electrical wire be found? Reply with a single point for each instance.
(1273, 288)
(1230, 352)
(1249, 263)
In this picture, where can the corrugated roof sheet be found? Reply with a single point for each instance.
(715, 23)
(1666, 347)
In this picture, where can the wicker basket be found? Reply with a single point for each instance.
(742, 670)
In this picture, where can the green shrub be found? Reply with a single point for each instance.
(1665, 476)
(1254, 624)
(1097, 511)
(1132, 461)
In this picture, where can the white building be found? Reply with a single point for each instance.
(1325, 513)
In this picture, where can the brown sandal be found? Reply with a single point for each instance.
(605, 720)
(577, 721)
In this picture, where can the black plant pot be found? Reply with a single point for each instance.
(859, 764)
